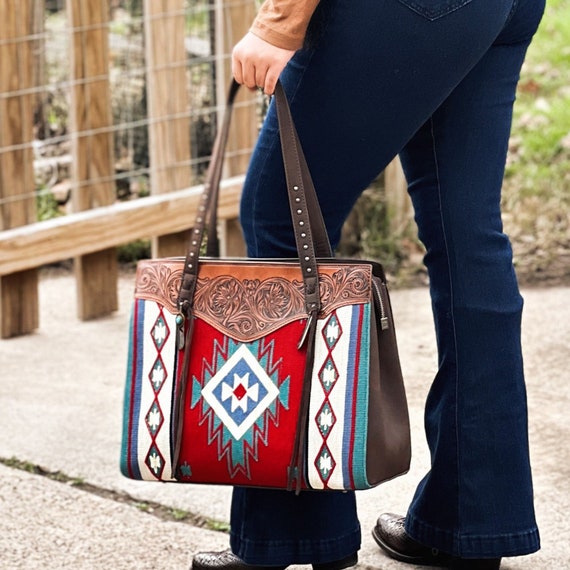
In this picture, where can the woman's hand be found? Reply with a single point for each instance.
(257, 63)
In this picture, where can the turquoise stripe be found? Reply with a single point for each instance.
(362, 388)
(130, 422)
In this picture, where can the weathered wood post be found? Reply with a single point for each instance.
(232, 22)
(398, 204)
(18, 291)
(168, 107)
(91, 124)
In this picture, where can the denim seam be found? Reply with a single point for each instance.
(452, 313)
(511, 13)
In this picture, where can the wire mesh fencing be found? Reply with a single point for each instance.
(76, 75)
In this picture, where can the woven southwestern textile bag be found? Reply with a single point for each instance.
(278, 373)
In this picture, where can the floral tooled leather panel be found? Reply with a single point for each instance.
(246, 299)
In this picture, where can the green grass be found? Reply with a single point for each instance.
(536, 195)
(541, 128)
(150, 507)
(551, 41)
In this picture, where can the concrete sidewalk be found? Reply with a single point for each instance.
(61, 394)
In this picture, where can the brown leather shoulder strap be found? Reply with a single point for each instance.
(310, 232)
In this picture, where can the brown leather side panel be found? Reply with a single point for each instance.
(388, 444)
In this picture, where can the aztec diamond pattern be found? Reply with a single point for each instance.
(155, 461)
(338, 409)
(328, 376)
(240, 393)
(242, 397)
(146, 444)
(325, 419)
(159, 333)
(325, 463)
(332, 331)
(154, 419)
(157, 375)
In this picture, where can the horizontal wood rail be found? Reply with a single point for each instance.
(86, 232)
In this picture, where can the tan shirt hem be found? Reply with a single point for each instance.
(283, 23)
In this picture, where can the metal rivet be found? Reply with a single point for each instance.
(299, 212)
(301, 223)
(189, 266)
(305, 246)
(309, 270)
(191, 254)
(303, 235)
(196, 231)
(307, 258)
(194, 242)
(295, 188)
(297, 199)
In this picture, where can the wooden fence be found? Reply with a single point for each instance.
(97, 223)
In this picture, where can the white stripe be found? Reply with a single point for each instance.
(336, 400)
(168, 354)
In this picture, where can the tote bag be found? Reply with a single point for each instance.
(277, 373)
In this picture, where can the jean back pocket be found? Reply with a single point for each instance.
(434, 9)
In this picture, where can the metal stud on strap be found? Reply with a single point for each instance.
(310, 233)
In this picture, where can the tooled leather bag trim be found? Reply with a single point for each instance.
(248, 309)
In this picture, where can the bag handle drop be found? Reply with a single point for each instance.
(311, 240)
(310, 233)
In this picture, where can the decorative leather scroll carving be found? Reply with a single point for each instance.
(159, 282)
(246, 307)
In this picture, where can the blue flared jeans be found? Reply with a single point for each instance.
(433, 81)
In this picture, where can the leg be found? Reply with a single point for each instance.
(476, 419)
(376, 74)
(357, 98)
(269, 527)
